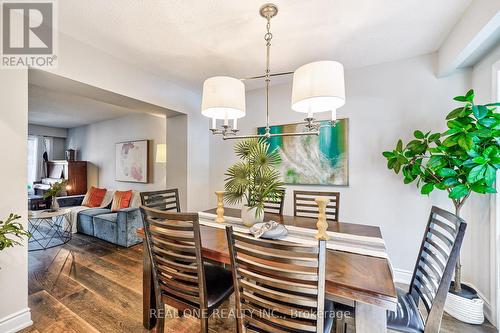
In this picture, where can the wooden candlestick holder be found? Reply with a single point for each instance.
(220, 206)
(322, 225)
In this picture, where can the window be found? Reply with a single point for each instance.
(31, 159)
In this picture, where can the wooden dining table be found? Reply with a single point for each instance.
(361, 281)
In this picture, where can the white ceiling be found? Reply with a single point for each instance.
(190, 40)
(60, 102)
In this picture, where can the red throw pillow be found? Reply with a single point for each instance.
(121, 199)
(94, 197)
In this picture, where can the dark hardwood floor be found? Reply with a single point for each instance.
(90, 286)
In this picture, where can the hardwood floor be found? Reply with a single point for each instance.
(89, 286)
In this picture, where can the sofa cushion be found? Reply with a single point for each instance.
(85, 222)
(121, 199)
(94, 197)
(111, 217)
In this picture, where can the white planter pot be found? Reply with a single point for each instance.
(248, 216)
(464, 309)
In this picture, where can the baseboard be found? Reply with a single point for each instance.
(402, 276)
(16, 321)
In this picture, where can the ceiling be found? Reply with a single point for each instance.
(60, 102)
(191, 40)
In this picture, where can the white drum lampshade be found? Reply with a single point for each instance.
(318, 87)
(223, 98)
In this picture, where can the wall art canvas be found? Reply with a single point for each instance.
(132, 161)
(313, 160)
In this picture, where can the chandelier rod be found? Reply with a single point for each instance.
(263, 76)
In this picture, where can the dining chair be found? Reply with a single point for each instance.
(304, 205)
(279, 286)
(181, 278)
(275, 207)
(431, 278)
(165, 200)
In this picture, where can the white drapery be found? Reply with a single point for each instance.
(41, 148)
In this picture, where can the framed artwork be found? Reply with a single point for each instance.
(132, 161)
(313, 160)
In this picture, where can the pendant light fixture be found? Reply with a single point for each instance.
(317, 87)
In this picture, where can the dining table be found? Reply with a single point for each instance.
(361, 281)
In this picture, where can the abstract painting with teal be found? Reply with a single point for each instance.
(314, 160)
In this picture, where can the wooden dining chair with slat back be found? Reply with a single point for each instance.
(181, 278)
(304, 205)
(275, 207)
(166, 200)
(279, 286)
(432, 276)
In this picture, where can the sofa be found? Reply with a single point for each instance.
(115, 227)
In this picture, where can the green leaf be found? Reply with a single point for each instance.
(450, 182)
(465, 142)
(478, 188)
(388, 154)
(455, 113)
(391, 163)
(482, 133)
(399, 146)
(490, 151)
(451, 141)
(418, 134)
(460, 98)
(447, 172)
(476, 173)
(436, 162)
(434, 137)
(490, 175)
(469, 96)
(454, 124)
(427, 188)
(488, 122)
(493, 104)
(479, 160)
(458, 192)
(480, 111)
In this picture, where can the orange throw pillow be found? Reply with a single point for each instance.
(94, 197)
(121, 200)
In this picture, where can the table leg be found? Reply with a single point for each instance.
(370, 318)
(149, 302)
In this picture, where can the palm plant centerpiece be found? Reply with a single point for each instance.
(462, 160)
(53, 192)
(254, 179)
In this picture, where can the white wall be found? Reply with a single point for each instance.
(481, 231)
(95, 143)
(14, 312)
(177, 153)
(383, 103)
(84, 63)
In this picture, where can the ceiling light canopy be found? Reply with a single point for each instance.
(317, 87)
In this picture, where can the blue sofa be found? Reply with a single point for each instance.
(115, 227)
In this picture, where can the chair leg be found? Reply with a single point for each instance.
(160, 320)
(204, 324)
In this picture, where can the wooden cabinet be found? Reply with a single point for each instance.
(75, 172)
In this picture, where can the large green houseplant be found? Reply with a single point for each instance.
(461, 160)
(254, 179)
(10, 227)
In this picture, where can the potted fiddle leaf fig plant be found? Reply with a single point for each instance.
(254, 179)
(53, 192)
(462, 160)
(11, 227)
